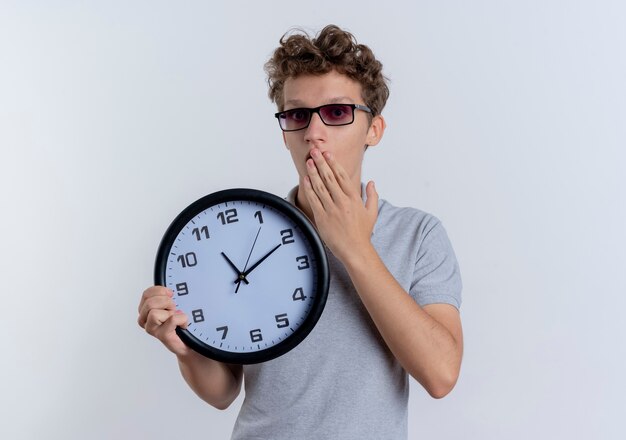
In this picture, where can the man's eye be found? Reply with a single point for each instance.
(297, 115)
(337, 112)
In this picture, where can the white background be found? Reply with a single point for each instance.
(506, 120)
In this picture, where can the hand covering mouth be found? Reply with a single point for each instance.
(308, 156)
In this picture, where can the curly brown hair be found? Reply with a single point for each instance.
(332, 48)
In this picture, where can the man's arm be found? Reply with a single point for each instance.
(427, 341)
(216, 383)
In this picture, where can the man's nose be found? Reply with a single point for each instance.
(316, 129)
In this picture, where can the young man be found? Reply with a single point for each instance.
(395, 285)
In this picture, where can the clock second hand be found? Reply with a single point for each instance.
(242, 277)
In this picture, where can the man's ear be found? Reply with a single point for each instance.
(376, 130)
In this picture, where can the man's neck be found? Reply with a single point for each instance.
(303, 204)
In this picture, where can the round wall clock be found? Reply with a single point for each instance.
(249, 271)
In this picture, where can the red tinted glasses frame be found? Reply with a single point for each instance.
(330, 114)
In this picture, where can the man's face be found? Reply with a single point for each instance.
(347, 142)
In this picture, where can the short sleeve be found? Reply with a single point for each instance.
(436, 275)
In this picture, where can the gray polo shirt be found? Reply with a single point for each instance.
(342, 382)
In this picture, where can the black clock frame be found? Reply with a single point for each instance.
(307, 229)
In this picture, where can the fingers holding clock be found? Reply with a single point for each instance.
(155, 319)
(155, 297)
(166, 330)
(159, 317)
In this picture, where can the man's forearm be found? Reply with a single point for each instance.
(214, 382)
(425, 348)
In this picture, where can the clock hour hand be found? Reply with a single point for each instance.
(255, 265)
(240, 276)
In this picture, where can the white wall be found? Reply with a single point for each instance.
(506, 120)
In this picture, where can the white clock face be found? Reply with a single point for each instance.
(245, 274)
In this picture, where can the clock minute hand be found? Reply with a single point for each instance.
(255, 265)
(240, 275)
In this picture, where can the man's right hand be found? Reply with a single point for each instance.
(159, 317)
(216, 383)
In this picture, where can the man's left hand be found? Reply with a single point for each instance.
(343, 221)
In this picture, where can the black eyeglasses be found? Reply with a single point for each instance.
(330, 114)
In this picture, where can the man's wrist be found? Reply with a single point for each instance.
(361, 259)
(189, 357)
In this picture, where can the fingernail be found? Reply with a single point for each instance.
(315, 152)
(327, 155)
(310, 163)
